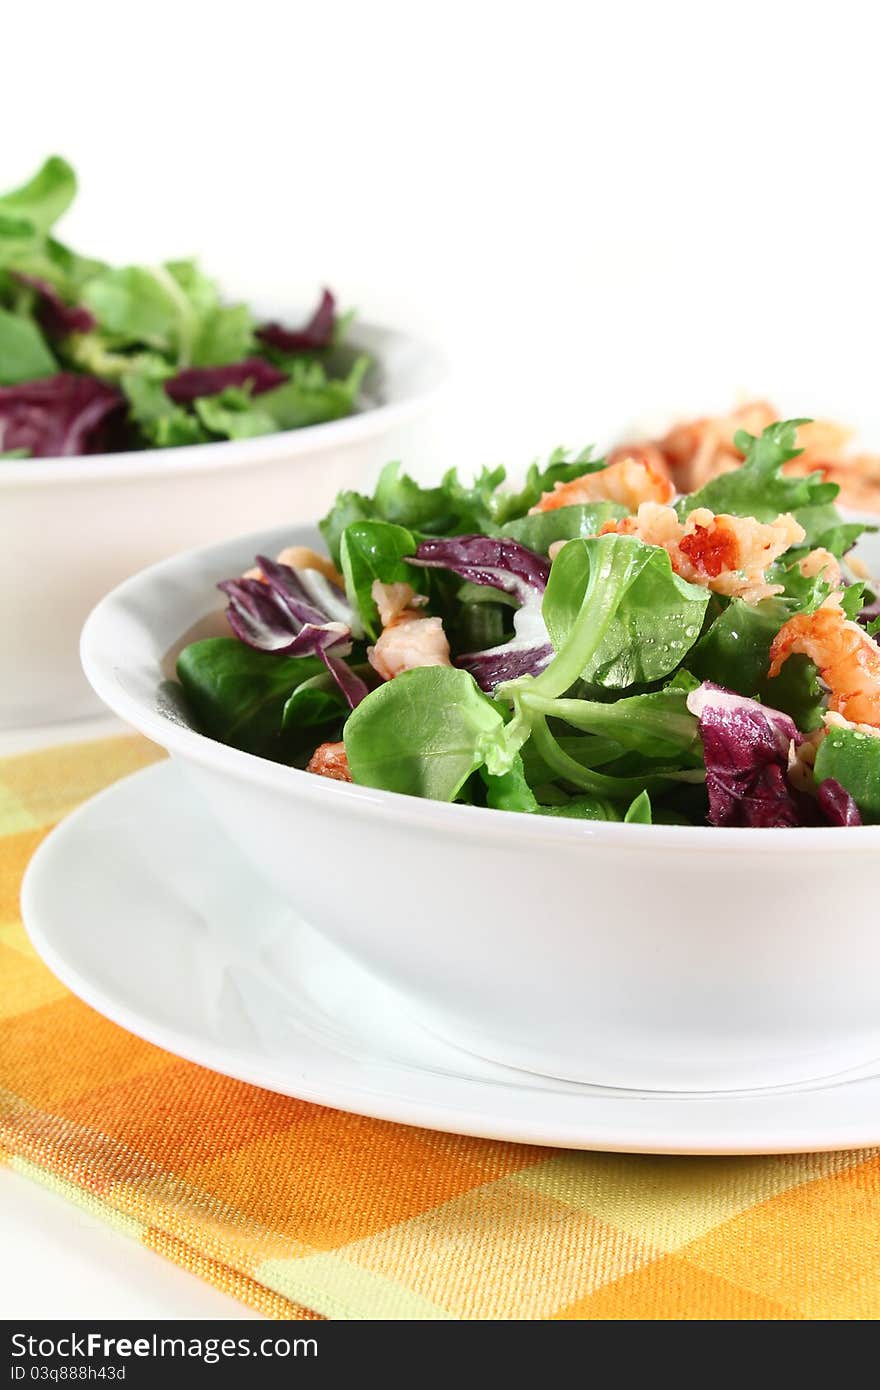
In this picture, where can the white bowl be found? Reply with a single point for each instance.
(72, 528)
(669, 958)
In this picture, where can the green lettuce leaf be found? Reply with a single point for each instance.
(315, 703)
(224, 334)
(401, 500)
(453, 508)
(24, 353)
(221, 333)
(99, 355)
(233, 414)
(617, 614)
(510, 791)
(160, 421)
(144, 305)
(825, 527)
(239, 695)
(759, 488)
(735, 653)
(44, 198)
(852, 758)
(311, 397)
(656, 725)
(374, 550)
(540, 531)
(541, 478)
(348, 508)
(639, 812)
(422, 734)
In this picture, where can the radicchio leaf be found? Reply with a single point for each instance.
(56, 318)
(506, 663)
(318, 332)
(838, 807)
(311, 593)
(746, 747)
(59, 416)
(516, 570)
(290, 612)
(502, 564)
(194, 382)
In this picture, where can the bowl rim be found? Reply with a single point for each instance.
(127, 604)
(232, 453)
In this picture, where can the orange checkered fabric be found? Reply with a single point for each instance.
(305, 1212)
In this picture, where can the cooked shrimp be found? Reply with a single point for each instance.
(629, 481)
(698, 450)
(695, 451)
(728, 554)
(408, 638)
(330, 760)
(395, 601)
(847, 658)
(822, 441)
(857, 475)
(821, 561)
(648, 454)
(301, 557)
(837, 721)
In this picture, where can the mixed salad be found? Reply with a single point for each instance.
(97, 358)
(694, 451)
(591, 645)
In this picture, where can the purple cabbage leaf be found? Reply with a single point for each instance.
(57, 318)
(295, 613)
(503, 564)
(747, 748)
(836, 803)
(194, 382)
(515, 570)
(61, 415)
(317, 333)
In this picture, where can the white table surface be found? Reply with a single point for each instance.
(61, 1262)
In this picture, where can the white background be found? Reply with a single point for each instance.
(598, 210)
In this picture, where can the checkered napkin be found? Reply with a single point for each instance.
(304, 1212)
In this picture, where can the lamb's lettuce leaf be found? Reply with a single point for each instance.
(422, 734)
(656, 725)
(852, 759)
(238, 695)
(372, 550)
(639, 812)
(617, 614)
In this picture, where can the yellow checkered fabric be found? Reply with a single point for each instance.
(303, 1212)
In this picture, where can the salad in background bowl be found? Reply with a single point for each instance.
(515, 895)
(141, 415)
(98, 359)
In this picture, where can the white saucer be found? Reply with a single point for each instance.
(141, 907)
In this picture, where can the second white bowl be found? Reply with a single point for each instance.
(72, 528)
